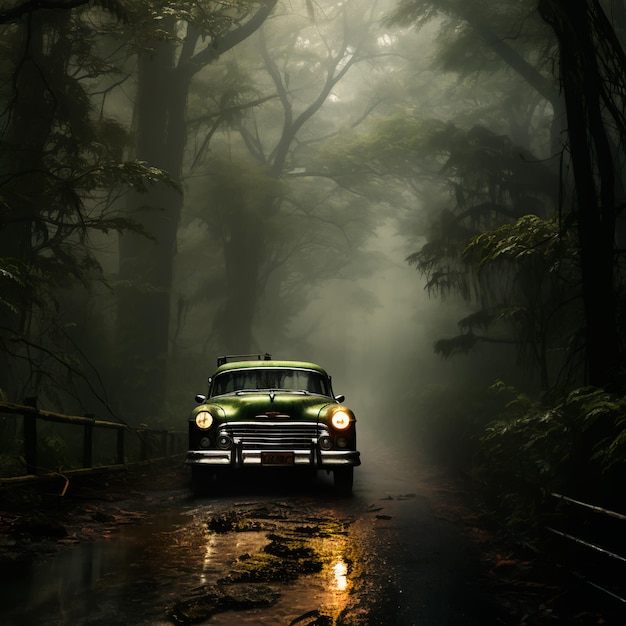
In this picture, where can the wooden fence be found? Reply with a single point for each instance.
(592, 545)
(153, 444)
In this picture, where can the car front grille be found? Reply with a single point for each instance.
(273, 435)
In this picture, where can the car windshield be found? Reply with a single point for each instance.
(270, 378)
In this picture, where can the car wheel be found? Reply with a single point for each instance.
(201, 481)
(343, 479)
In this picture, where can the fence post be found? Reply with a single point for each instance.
(120, 446)
(30, 437)
(144, 435)
(88, 442)
(163, 451)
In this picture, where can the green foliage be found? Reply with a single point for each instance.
(527, 275)
(516, 404)
(150, 21)
(226, 98)
(302, 231)
(63, 172)
(11, 445)
(529, 237)
(488, 246)
(491, 181)
(461, 344)
(577, 448)
(398, 146)
(11, 283)
(524, 276)
(493, 241)
(52, 452)
(137, 174)
(11, 465)
(468, 29)
(278, 221)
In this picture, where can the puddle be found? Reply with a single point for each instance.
(325, 593)
(135, 576)
(96, 582)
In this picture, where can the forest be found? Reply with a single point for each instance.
(426, 196)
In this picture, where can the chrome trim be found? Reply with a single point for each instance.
(319, 459)
(340, 457)
(208, 457)
(273, 434)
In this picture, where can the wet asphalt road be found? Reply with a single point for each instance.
(427, 570)
(385, 556)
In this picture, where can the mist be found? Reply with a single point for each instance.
(390, 189)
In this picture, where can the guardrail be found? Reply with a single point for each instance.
(591, 545)
(153, 444)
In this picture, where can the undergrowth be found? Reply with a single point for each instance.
(577, 448)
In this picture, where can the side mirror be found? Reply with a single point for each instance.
(200, 398)
(340, 398)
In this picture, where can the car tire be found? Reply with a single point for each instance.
(201, 481)
(343, 479)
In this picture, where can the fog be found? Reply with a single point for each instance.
(384, 188)
(293, 219)
(365, 348)
(343, 292)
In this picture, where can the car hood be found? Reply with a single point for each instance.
(270, 405)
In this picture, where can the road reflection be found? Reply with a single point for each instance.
(340, 570)
(209, 553)
(137, 573)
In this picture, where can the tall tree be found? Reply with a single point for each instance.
(59, 166)
(478, 36)
(180, 43)
(592, 74)
(306, 56)
(481, 239)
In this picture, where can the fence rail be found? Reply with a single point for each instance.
(154, 444)
(593, 544)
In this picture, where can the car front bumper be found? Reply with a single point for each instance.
(239, 457)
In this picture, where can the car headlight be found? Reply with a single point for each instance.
(204, 420)
(340, 420)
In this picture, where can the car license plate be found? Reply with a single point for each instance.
(276, 458)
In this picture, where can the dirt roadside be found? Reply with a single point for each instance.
(61, 512)
(519, 573)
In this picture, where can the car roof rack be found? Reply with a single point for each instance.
(229, 358)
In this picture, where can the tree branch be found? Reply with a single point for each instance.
(219, 46)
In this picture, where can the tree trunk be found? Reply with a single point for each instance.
(594, 174)
(23, 175)
(146, 261)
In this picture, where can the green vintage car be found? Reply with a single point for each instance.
(263, 413)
